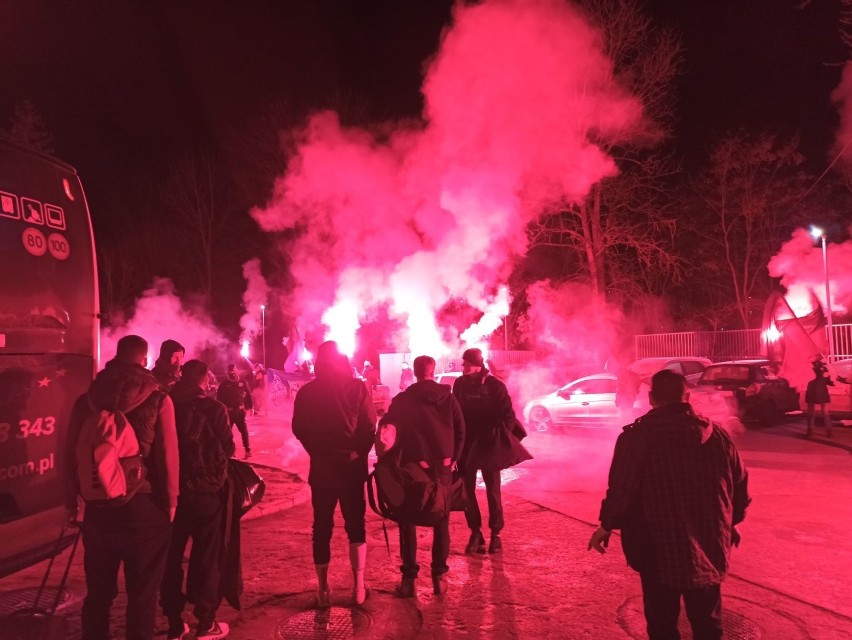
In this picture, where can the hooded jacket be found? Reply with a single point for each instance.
(429, 421)
(202, 422)
(486, 406)
(677, 486)
(132, 389)
(164, 371)
(333, 418)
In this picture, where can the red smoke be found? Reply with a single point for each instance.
(413, 215)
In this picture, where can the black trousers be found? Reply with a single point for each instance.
(136, 534)
(238, 417)
(662, 608)
(353, 505)
(199, 516)
(492, 495)
(440, 541)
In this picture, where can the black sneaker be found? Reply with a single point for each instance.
(476, 543)
(496, 545)
(218, 631)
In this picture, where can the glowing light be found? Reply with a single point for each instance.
(342, 322)
(772, 334)
(263, 307)
(307, 356)
(490, 321)
(816, 232)
(244, 349)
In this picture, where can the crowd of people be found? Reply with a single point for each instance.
(677, 486)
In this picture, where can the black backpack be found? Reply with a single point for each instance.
(406, 493)
(203, 463)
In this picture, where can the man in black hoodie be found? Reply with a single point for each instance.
(136, 532)
(206, 442)
(429, 431)
(334, 419)
(677, 490)
(167, 366)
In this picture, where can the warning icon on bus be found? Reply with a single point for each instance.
(32, 211)
(55, 216)
(9, 205)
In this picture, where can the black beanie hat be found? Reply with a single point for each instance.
(473, 357)
(169, 347)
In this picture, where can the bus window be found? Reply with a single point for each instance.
(48, 343)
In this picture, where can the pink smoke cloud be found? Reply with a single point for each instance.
(255, 296)
(415, 215)
(160, 315)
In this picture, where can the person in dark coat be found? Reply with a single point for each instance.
(206, 442)
(235, 394)
(167, 366)
(817, 394)
(677, 490)
(429, 432)
(135, 533)
(487, 409)
(334, 419)
(406, 377)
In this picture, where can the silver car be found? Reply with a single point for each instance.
(587, 401)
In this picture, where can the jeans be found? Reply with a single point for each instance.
(353, 505)
(662, 608)
(238, 417)
(136, 534)
(492, 494)
(440, 540)
(199, 516)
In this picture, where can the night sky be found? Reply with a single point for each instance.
(126, 86)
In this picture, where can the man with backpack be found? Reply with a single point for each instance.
(122, 458)
(430, 431)
(206, 442)
(235, 394)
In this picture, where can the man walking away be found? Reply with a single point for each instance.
(677, 490)
(167, 367)
(430, 432)
(205, 441)
(487, 409)
(334, 419)
(134, 532)
(235, 394)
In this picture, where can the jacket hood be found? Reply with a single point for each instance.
(121, 386)
(429, 392)
(677, 422)
(186, 391)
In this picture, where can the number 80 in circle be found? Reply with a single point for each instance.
(34, 241)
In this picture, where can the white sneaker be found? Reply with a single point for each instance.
(218, 631)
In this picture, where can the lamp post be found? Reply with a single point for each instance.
(818, 233)
(263, 331)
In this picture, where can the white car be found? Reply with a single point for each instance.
(587, 401)
(690, 367)
(448, 378)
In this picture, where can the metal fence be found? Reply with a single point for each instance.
(725, 345)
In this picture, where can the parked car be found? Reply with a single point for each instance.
(587, 401)
(690, 367)
(448, 378)
(748, 389)
(841, 393)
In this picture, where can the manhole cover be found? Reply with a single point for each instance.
(19, 600)
(334, 623)
(737, 627)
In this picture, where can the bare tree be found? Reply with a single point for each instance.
(623, 229)
(749, 200)
(196, 197)
(29, 129)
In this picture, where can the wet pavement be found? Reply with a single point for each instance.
(789, 579)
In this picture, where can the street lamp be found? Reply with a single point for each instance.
(263, 331)
(819, 234)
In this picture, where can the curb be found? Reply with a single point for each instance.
(269, 507)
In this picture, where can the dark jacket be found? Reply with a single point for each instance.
(205, 439)
(234, 394)
(676, 488)
(132, 389)
(429, 423)
(334, 417)
(486, 406)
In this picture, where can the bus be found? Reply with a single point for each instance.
(48, 344)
